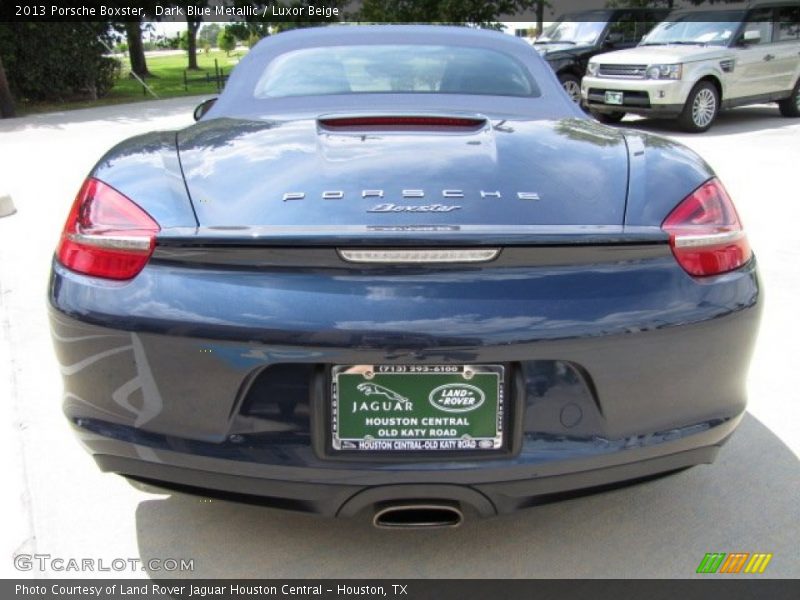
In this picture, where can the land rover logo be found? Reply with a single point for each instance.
(456, 397)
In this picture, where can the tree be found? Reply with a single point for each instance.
(57, 61)
(191, 42)
(479, 12)
(540, 5)
(133, 33)
(650, 3)
(6, 100)
(243, 31)
(209, 32)
(265, 24)
(192, 25)
(226, 41)
(663, 3)
(132, 28)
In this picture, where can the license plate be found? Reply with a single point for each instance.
(412, 408)
(613, 97)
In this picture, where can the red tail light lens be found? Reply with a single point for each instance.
(106, 234)
(705, 232)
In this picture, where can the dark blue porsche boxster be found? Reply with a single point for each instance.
(396, 270)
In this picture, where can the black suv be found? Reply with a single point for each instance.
(569, 43)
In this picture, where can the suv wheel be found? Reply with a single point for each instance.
(790, 107)
(701, 108)
(609, 118)
(571, 85)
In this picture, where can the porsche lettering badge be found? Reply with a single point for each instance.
(407, 194)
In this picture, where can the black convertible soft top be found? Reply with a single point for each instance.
(239, 101)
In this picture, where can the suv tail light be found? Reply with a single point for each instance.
(705, 233)
(106, 234)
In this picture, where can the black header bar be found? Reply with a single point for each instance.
(312, 11)
(709, 587)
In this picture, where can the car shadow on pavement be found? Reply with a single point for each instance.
(745, 502)
(136, 112)
(739, 120)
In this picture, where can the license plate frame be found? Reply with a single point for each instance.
(432, 391)
(614, 98)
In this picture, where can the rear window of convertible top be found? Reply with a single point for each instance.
(395, 69)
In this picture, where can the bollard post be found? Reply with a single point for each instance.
(6, 205)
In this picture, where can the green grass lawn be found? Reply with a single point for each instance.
(167, 81)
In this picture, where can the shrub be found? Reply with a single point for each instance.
(168, 43)
(226, 41)
(57, 61)
(109, 71)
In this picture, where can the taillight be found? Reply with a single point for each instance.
(705, 232)
(106, 234)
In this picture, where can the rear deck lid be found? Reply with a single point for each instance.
(350, 172)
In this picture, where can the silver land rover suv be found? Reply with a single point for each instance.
(695, 63)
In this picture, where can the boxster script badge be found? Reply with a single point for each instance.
(379, 208)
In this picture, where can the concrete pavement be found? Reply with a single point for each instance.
(58, 503)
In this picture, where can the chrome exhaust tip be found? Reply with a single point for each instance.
(418, 516)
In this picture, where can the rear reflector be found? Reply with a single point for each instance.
(420, 256)
(106, 234)
(401, 121)
(705, 233)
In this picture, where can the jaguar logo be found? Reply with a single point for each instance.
(392, 401)
(373, 389)
(456, 397)
(381, 208)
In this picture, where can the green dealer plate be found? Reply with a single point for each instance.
(402, 408)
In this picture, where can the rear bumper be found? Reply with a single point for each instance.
(664, 111)
(622, 369)
(642, 97)
(346, 494)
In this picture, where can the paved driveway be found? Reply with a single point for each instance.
(56, 502)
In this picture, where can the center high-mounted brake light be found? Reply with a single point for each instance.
(705, 233)
(401, 121)
(106, 234)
